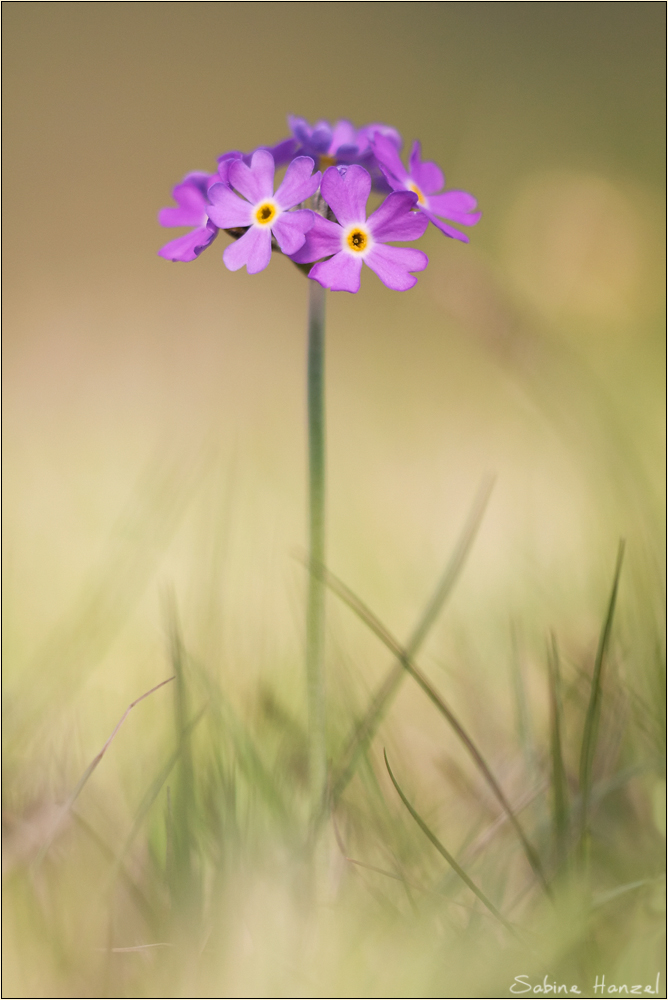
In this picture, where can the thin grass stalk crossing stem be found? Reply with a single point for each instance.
(315, 613)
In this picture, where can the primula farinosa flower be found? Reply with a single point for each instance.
(339, 143)
(355, 240)
(190, 197)
(260, 211)
(425, 179)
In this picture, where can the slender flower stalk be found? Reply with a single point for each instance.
(315, 611)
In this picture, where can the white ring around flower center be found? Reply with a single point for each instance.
(357, 240)
(265, 212)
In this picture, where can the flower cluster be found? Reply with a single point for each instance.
(317, 215)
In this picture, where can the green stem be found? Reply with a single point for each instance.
(315, 615)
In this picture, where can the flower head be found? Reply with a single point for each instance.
(309, 222)
(192, 210)
(354, 239)
(425, 178)
(263, 213)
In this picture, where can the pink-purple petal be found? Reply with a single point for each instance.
(227, 209)
(224, 163)
(428, 175)
(322, 240)
(253, 249)
(181, 216)
(298, 184)
(445, 228)
(290, 229)
(346, 154)
(199, 179)
(378, 129)
(455, 205)
(256, 181)
(346, 192)
(299, 127)
(315, 139)
(282, 152)
(340, 273)
(394, 264)
(344, 136)
(392, 182)
(191, 210)
(190, 246)
(388, 158)
(394, 220)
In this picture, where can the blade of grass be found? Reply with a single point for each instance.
(590, 731)
(521, 707)
(480, 842)
(137, 948)
(560, 805)
(365, 729)
(89, 770)
(149, 798)
(376, 626)
(454, 566)
(363, 864)
(444, 852)
(621, 890)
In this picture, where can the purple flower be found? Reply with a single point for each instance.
(354, 239)
(190, 197)
(339, 143)
(426, 178)
(260, 211)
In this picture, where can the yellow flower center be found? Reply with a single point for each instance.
(325, 161)
(357, 240)
(416, 190)
(264, 213)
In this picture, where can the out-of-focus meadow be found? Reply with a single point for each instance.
(154, 509)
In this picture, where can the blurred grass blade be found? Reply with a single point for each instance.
(365, 729)
(91, 767)
(454, 566)
(443, 851)
(480, 842)
(148, 800)
(590, 730)
(363, 864)
(621, 890)
(521, 705)
(560, 804)
(376, 626)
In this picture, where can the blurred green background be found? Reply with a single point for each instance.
(154, 413)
